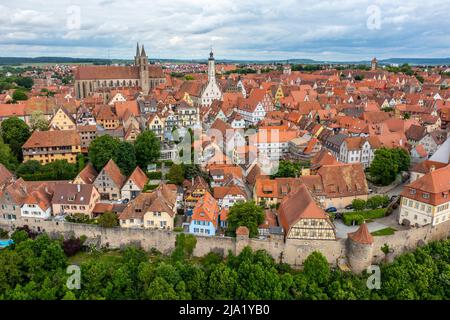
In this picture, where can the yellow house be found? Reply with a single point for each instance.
(48, 146)
(156, 125)
(62, 120)
(278, 94)
(187, 98)
(155, 210)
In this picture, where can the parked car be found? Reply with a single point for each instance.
(349, 207)
(331, 209)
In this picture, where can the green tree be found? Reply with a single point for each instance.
(176, 174)
(358, 204)
(25, 82)
(38, 121)
(101, 150)
(108, 220)
(384, 167)
(316, 268)
(184, 246)
(147, 148)
(246, 214)
(60, 170)
(6, 156)
(125, 157)
(15, 133)
(19, 95)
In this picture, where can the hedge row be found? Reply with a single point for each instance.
(360, 216)
(156, 175)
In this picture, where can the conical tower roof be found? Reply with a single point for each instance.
(143, 52)
(362, 235)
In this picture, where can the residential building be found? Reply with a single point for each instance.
(426, 201)
(48, 146)
(109, 181)
(205, 216)
(302, 218)
(70, 199)
(155, 210)
(134, 185)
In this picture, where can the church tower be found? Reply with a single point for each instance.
(142, 63)
(211, 68)
(212, 91)
(374, 64)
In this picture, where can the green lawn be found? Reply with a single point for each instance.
(108, 256)
(384, 232)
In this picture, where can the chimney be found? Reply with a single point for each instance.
(78, 188)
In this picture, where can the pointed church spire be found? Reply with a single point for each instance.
(143, 52)
(211, 54)
(137, 49)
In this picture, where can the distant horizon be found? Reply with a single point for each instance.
(312, 60)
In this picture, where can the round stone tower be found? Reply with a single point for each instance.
(360, 249)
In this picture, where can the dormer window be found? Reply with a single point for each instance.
(412, 191)
(426, 195)
(71, 198)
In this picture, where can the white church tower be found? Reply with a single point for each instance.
(212, 91)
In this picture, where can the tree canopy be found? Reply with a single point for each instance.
(246, 214)
(147, 147)
(15, 133)
(36, 269)
(388, 163)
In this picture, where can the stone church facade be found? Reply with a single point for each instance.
(143, 75)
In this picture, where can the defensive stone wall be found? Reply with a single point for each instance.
(293, 252)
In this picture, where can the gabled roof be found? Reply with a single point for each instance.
(88, 174)
(139, 177)
(112, 170)
(53, 139)
(299, 204)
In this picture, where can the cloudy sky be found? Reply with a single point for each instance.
(237, 29)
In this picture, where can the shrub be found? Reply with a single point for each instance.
(178, 229)
(157, 175)
(358, 204)
(71, 246)
(360, 216)
(349, 218)
(3, 234)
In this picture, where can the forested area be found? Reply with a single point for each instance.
(36, 269)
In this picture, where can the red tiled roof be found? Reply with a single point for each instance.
(362, 235)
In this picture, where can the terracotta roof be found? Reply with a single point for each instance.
(5, 174)
(416, 132)
(433, 188)
(80, 193)
(343, 180)
(221, 192)
(242, 231)
(53, 139)
(163, 199)
(114, 72)
(88, 174)
(206, 209)
(299, 204)
(362, 235)
(427, 166)
(139, 177)
(112, 170)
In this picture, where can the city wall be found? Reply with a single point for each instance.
(293, 252)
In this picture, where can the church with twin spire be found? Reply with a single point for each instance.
(142, 74)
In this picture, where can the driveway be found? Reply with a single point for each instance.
(342, 230)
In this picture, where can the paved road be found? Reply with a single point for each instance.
(342, 230)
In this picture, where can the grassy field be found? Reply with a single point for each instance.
(108, 256)
(384, 232)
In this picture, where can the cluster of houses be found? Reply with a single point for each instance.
(329, 118)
